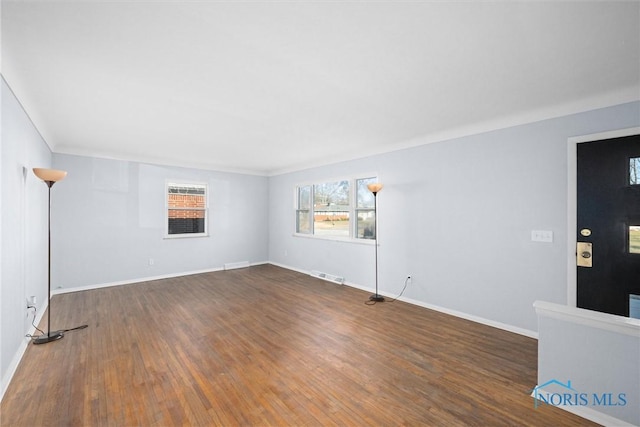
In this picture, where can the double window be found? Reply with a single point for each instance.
(186, 209)
(341, 208)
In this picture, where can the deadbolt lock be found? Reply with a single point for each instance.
(585, 254)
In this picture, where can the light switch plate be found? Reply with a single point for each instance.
(545, 236)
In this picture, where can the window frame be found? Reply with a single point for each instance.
(358, 209)
(180, 182)
(353, 209)
(300, 209)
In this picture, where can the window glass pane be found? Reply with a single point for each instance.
(364, 197)
(634, 306)
(303, 222)
(366, 227)
(634, 239)
(304, 197)
(187, 196)
(331, 194)
(331, 223)
(634, 171)
(187, 189)
(186, 225)
(331, 209)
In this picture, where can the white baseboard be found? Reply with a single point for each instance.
(235, 265)
(131, 281)
(17, 357)
(288, 267)
(473, 318)
(143, 279)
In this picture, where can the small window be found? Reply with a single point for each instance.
(634, 239)
(186, 209)
(634, 171)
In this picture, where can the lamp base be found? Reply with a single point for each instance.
(376, 298)
(51, 336)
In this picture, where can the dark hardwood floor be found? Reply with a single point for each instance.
(267, 346)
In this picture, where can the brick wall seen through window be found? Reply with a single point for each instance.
(186, 209)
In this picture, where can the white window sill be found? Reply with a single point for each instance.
(185, 236)
(337, 239)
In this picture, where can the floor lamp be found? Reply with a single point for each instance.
(50, 177)
(375, 189)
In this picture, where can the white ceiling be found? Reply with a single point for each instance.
(266, 87)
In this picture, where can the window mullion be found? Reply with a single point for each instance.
(312, 211)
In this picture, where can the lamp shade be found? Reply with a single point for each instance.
(375, 187)
(53, 175)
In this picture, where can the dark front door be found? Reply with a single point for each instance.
(608, 234)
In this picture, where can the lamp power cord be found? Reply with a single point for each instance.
(406, 282)
(42, 333)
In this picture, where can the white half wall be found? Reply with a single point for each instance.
(598, 354)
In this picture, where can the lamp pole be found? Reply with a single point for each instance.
(50, 177)
(375, 189)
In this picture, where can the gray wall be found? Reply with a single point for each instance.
(457, 216)
(23, 228)
(115, 222)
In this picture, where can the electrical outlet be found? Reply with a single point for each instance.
(31, 301)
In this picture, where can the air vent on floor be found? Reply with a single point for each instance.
(234, 265)
(327, 276)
